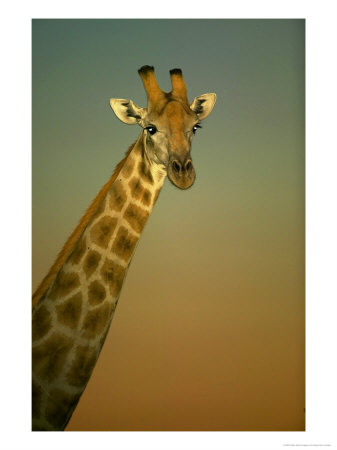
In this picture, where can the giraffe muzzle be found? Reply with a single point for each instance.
(181, 172)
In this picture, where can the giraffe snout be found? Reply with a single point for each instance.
(181, 171)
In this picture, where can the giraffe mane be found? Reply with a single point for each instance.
(75, 235)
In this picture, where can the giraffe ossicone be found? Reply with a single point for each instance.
(74, 304)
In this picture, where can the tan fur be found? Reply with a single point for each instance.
(69, 245)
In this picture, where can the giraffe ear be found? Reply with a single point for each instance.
(127, 111)
(203, 105)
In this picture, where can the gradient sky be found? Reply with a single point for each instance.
(209, 329)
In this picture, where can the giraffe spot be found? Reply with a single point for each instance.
(78, 251)
(136, 217)
(96, 293)
(102, 231)
(49, 357)
(83, 364)
(145, 172)
(117, 196)
(41, 322)
(36, 400)
(146, 199)
(136, 188)
(113, 276)
(91, 262)
(96, 320)
(64, 284)
(128, 168)
(139, 192)
(69, 312)
(124, 244)
(60, 407)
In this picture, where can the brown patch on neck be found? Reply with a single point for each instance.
(139, 192)
(96, 293)
(95, 321)
(76, 234)
(113, 275)
(41, 323)
(49, 357)
(124, 244)
(136, 217)
(91, 262)
(103, 230)
(69, 313)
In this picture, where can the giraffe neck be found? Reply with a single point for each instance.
(72, 318)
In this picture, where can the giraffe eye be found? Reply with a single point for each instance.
(196, 126)
(151, 129)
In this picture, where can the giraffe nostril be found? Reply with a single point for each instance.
(188, 165)
(176, 166)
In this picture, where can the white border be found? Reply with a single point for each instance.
(321, 224)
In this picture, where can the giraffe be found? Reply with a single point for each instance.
(74, 304)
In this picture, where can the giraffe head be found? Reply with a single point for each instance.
(169, 123)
